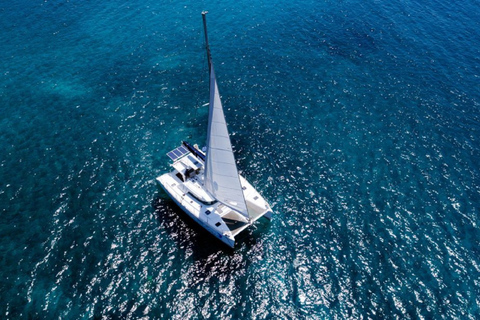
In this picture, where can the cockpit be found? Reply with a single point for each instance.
(187, 167)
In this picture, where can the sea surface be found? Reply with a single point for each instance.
(359, 121)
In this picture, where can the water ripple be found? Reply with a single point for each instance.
(363, 138)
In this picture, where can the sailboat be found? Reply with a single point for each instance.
(206, 183)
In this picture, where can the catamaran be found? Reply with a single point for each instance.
(207, 185)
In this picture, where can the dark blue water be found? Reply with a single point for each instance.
(358, 121)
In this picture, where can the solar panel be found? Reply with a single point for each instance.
(177, 153)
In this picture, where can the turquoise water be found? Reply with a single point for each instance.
(358, 121)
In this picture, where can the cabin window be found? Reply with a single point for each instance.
(218, 224)
(207, 212)
(179, 176)
(204, 202)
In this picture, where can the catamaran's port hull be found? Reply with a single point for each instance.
(223, 226)
(162, 181)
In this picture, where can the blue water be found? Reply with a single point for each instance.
(358, 121)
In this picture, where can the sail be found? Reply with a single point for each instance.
(221, 174)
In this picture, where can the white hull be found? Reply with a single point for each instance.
(218, 219)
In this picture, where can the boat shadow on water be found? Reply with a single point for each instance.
(189, 235)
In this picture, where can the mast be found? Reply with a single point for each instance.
(209, 57)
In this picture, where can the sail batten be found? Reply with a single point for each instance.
(221, 173)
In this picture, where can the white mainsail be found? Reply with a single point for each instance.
(221, 174)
